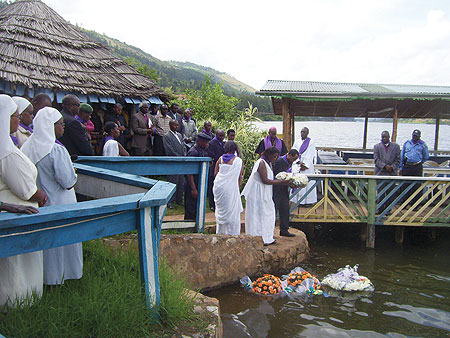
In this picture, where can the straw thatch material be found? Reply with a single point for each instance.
(40, 49)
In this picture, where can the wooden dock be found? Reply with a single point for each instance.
(376, 200)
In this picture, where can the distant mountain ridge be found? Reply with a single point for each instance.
(178, 75)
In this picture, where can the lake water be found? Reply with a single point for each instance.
(411, 297)
(350, 134)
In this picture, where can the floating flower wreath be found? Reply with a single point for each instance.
(297, 278)
(267, 285)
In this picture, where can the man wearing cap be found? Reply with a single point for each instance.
(74, 138)
(271, 140)
(414, 153)
(191, 183)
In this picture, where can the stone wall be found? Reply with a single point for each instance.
(212, 261)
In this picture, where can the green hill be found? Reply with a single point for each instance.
(185, 75)
(178, 75)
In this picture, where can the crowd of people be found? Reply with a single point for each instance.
(39, 144)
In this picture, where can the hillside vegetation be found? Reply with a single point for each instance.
(177, 77)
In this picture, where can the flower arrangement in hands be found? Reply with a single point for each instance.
(296, 180)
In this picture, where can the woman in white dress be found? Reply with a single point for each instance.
(20, 275)
(228, 178)
(111, 147)
(57, 178)
(259, 208)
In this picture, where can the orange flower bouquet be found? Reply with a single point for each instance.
(296, 278)
(267, 285)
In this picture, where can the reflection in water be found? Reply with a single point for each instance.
(411, 297)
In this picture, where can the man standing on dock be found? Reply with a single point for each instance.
(271, 140)
(281, 193)
(386, 155)
(414, 153)
(307, 154)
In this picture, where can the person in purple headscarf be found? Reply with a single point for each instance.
(271, 140)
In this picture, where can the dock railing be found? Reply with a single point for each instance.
(376, 200)
(158, 166)
(124, 201)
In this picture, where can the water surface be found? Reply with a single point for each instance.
(350, 134)
(411, 297)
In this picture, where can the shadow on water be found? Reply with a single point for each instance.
(411, 297)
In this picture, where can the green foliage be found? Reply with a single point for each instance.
(107, 302)
(248, 137)
(143, 68)
(210, 103)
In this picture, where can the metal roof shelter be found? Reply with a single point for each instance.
(368, 100)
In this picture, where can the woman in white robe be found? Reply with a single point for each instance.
(20, 275)
(259, 208)
(305, 165)
(111, 146)
(57, 178)
(228, 177)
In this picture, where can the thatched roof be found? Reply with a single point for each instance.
(39, 49)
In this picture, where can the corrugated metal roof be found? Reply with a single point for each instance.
(311, 88)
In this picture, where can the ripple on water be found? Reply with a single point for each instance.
(424, 316)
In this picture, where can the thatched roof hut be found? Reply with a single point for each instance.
(42, 52)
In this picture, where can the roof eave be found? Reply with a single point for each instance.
(340, 96)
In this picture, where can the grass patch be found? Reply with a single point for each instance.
(107, 302)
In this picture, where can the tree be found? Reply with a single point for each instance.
(210, 102)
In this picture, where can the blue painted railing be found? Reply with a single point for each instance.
(141, 207)
(155, 166)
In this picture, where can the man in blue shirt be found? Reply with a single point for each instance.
(414, 153)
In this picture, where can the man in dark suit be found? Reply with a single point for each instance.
(173, 113)
(174, 146)
(75, 138)
(387, 156)
(215, 150)
(141, 143)
(281, 193)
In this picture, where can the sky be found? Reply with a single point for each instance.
(367, 41)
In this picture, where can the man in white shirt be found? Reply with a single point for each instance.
(305, 165)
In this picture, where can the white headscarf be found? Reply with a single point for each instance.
(41, 142)
(22, 103)
(7, 108)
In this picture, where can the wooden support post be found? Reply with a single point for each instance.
(287, 137)
(371, 206)
(394, 124)
(366, 122)
(201, 199)
(399, 234)
(292, 130)
(436, 134)
(148, 240)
